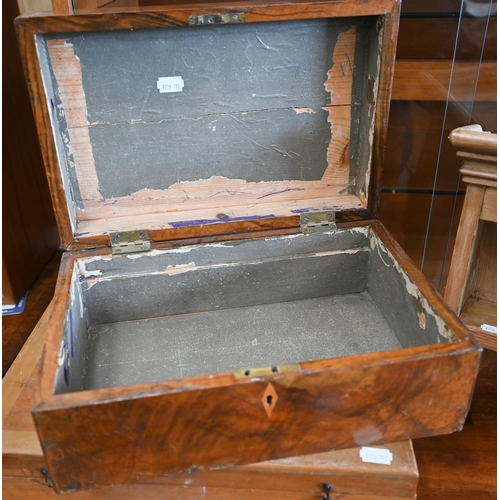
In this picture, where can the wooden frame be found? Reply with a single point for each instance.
(471, 287)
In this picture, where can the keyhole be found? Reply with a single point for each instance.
(269, 399)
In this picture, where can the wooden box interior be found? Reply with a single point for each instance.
(236, 307)
(274, 119)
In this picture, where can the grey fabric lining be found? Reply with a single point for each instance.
(232, 339)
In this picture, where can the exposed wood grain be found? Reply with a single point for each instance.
(477, 312)
(68, 73)
(210, 215)
(36, 489)
(480, 182)
(339, 84)
(21, 443)
(484, 280)
(429, 81)
(481, 171)
(188, 201)
(339, 81)
(489, 208)
(62, 7)
(387, 40)
(463, 250)
(471, 138)
(22, 368)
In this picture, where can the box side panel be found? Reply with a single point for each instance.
(297, 481)
(28, 488)
(59, 130)
(193, 288)
(414, 320)
(212, 254)
(71, 362)
(364, 99)
(139, 438)
(222, 276)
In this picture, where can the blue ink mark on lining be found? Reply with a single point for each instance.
(77, 235)
(201, 222)
(301, 210)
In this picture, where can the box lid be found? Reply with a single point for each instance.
(149, 123)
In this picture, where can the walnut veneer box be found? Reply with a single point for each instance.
(198, 135)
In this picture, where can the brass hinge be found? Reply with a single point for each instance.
(317, 222)
(130, 242)
(212, 19)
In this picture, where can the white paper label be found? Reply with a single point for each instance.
(170, 84)
(489, 328)
(375, 455)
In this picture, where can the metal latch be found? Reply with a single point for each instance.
(268, 370)
(211, 19)
(130, 242)
(317, 222)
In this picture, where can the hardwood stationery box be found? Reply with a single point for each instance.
(249, 308)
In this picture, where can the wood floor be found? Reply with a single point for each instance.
(461, 466)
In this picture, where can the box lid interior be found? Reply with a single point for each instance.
(267, 120)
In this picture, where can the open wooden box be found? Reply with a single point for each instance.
(240, 333)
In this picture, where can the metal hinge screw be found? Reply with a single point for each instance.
(45, 474)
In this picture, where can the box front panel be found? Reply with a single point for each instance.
(191, 430)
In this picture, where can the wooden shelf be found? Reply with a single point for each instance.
(477, 312)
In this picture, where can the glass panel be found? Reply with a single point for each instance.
(445, 78)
